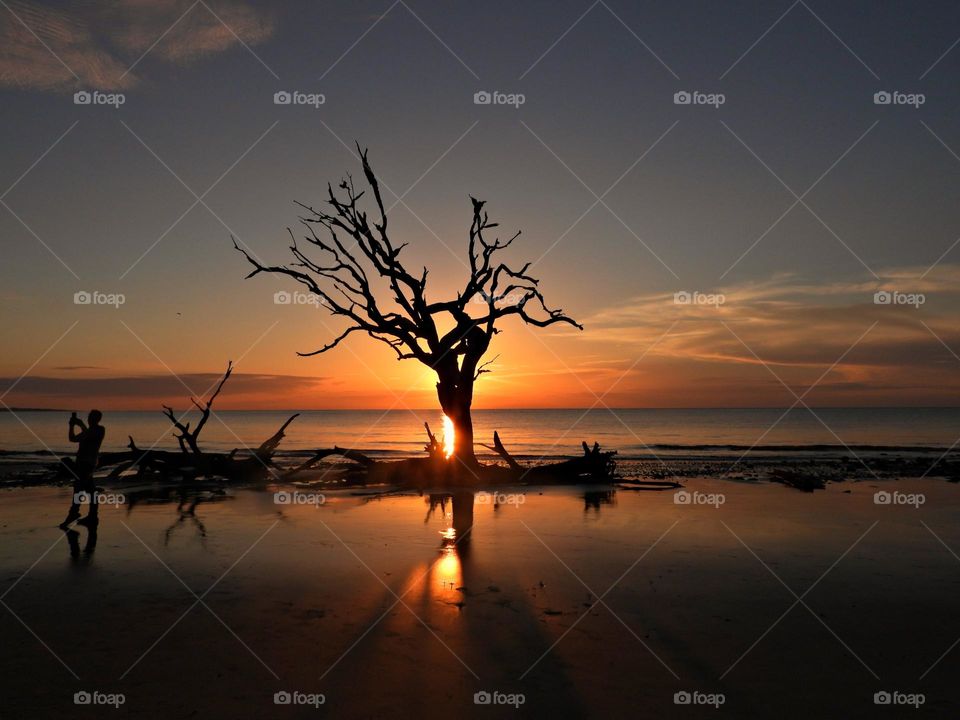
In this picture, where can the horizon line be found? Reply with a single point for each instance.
(522, 409)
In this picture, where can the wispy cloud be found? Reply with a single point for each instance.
(94, 44)
(799, 328)
(156, 389)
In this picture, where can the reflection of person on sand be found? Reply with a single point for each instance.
(73, 539)
(88, 441)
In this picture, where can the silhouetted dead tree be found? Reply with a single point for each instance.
(191, 462)
(346, 249)
(187, 437)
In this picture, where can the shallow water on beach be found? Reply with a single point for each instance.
(305, 597)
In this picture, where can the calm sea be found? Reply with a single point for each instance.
(634, 433)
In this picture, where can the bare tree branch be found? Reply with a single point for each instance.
(188, 439)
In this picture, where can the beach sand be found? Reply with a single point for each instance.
(695, 597)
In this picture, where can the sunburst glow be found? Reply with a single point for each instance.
(448, 436)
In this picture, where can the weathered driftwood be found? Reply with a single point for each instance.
(594, 466)
(652, 485)
(502, 451)
(232, 466)
(433, 447)
(192, 462)
(269, 446)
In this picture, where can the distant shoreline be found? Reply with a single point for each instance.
(21, 409)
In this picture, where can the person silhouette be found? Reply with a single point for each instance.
(88, 439)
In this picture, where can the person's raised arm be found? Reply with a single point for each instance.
(74, 435)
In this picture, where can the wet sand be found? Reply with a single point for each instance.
(304, 598)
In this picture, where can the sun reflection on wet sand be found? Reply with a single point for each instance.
(442, 579)
(448, 570)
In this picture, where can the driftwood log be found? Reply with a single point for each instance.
(594, 466)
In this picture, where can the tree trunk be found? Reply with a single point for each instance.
(455, 400)
(455, 392)
(463, 437)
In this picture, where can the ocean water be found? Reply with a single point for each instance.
(634, 433)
